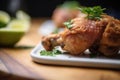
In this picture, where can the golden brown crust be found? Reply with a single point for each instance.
(109, 42)
(81, 36)
(111, 35)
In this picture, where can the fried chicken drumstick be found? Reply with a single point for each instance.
(101, 35)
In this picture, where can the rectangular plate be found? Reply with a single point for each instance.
(70, 60)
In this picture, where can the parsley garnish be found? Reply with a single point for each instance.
(68, 24)
(92, 12)
(50, 53)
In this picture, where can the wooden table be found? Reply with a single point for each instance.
(16, 63)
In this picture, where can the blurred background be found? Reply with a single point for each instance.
(44, 8)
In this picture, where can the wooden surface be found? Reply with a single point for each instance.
(16, 63)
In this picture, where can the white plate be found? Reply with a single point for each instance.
(66, 59)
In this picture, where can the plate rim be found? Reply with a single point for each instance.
(85, 62)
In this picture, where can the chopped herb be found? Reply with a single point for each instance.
(55, 51)
(50, 53)
(45, 53)
(68, 24)
(92, 12)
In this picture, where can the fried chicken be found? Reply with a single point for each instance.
(101, 36)
(109, 42)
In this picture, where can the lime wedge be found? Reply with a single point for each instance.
(23, 18)
(9, 37)
(4, 18)
(22, 15)
(18, 25)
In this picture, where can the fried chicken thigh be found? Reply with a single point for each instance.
(110, 41)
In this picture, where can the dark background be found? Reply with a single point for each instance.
(44, 8)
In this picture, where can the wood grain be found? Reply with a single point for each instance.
(16, 63)
(12, 66)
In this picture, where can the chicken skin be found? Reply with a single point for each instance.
(110, 41)
(81, 36)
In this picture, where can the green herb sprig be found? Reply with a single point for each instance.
(68, 24)
(92, 12)
(50, 53)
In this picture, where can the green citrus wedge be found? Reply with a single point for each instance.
(18, 25)
(9, 37)
(4, 18)
(22, 15)
(11, 34)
